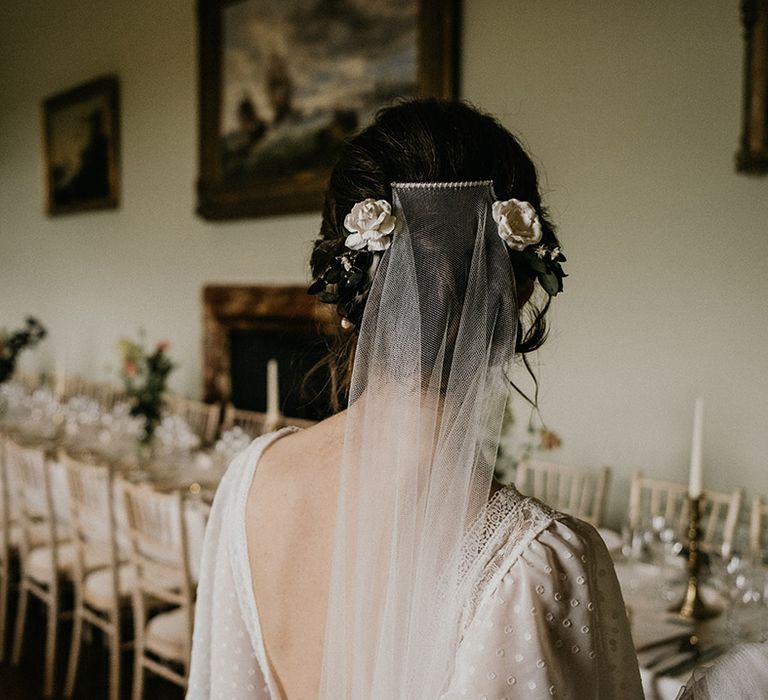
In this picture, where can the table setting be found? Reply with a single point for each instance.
(689, 602)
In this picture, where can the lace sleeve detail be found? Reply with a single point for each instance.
(549, 622)
(503, 530)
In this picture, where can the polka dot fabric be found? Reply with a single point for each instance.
(229, 661)
(550, 624)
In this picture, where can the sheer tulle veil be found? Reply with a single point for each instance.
(425, 411)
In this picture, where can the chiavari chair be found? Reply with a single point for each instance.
(46, 556)
(6, 523)
(101, 594)
(69, 386)
(29, 380)
(202, 418)
(104, 393)
(758, 526)
(650, 498)
(160, 555)
(579, 492)
(298, 422)
(251, 422)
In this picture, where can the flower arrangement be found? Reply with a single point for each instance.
(12, 344)
(145, 376)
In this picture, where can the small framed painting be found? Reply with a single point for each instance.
(81, 128)
(284, 82)
(752, 157)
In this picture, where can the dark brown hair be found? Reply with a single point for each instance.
(427, 141)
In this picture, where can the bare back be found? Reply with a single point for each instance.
(290, 519)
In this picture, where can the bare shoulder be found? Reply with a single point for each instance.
(297, 473)
(302, 451)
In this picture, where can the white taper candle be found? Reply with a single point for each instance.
(60, 375)
(695, 477)
(273, 389)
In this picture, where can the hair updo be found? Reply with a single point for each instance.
(427, 140)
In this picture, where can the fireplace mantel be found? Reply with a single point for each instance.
(227, 308)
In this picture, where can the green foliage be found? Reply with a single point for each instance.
(12, 345)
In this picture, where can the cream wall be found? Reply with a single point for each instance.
(631, 108)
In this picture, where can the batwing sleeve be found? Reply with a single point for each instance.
(552, 625)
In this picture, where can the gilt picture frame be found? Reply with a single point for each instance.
(752, 157)
(284, 82)
(81, 147)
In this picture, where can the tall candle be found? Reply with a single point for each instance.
(273, 389)
(695, 476)
(60, 378)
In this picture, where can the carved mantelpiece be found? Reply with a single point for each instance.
(228, 308)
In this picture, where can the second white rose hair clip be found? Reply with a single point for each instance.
(519, 227)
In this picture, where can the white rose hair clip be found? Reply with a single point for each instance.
(371, 225)
(348, 274)
(520, 229)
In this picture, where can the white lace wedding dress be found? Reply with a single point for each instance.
(544, 614)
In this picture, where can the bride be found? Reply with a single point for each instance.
(372, 556)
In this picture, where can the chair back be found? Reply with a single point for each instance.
(159, 545)
(250, 422)
(203, 418)
(298, 422)
(6, 518)
(69, 386)
(92, 506)
(29, 380)
(579, 492)
(104, 393)
(160, 554)
(719, 512)
(758, 527)
(30, 481)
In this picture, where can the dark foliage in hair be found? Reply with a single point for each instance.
(427, 140)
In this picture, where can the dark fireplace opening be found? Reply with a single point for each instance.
(301, 395)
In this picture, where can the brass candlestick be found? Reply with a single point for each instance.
(692, 606)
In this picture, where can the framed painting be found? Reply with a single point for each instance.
(752, 157)
(81, 129)
(284, 82)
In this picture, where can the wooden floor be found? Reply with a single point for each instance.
(25, 682)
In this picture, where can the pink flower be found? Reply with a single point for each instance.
(162, 346)
(130, 369)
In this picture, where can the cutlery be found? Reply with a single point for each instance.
(697, 658)
(662, 642)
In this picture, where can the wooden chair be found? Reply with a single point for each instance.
(104, 393)
(6, 523)
(649, 498)
(29, 380)
(579, 492)
(758, 527)
(203, 418)
(101, 594)
(251, 422)
(298, 422)
(46, 557)
(71, 385)
(159, 553)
